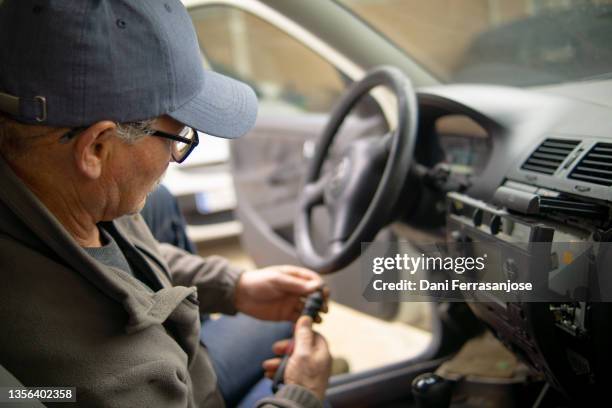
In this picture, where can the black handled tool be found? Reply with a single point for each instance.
(312, 307)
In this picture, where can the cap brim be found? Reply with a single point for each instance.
(224, 107)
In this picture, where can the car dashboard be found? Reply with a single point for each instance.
(537, 165)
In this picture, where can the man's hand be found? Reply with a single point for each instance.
(310, 362)
(277, 292)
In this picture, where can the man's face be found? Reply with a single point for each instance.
(140, 167)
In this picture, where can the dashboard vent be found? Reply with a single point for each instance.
(570, 206)
(547, 158)
(596, 166)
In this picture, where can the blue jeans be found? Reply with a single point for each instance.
(237, 344)
(260, 390)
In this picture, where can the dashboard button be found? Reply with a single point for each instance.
(477, 217)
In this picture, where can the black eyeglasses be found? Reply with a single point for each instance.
(183, 143)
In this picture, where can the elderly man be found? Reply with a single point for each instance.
(97, 97)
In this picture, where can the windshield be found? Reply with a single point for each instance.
(510, 42)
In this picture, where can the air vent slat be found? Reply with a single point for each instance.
(576, 211)
(600, 156)
(544, 163)
(571, 206)
(586, 169)
(547, 158)
(561, 152)
(597, 162)
(597, 180)
(596, 166)
(557, 202)
(570, 144)
(538, 169)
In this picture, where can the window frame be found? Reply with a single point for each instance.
(383, 97)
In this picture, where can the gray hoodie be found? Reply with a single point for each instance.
(68, 320)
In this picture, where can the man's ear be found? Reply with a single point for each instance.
(92, 147)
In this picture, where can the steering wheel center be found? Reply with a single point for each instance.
(337, 182)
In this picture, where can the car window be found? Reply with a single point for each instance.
(520, 43)
(286, 75)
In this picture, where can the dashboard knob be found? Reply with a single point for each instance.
(432, 391)
(477, 217)
(495, 224)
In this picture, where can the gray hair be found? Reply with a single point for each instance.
(134, 131)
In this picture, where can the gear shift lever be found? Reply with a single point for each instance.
(432, 391)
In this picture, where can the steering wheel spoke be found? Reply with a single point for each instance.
(313, 194)
(387, 142)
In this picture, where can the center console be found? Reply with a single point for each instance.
(567, 338)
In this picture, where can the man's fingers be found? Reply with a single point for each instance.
(303, 335)
(280, 347)
(271, 367)
(271, 364)
(294, 285)
(300, 272)
(302, 282)
(313, 279)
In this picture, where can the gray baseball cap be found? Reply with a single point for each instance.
(75, 62)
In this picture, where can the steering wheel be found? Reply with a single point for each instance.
(364, 186)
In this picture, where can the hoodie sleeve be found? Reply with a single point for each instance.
(291, 396)
(214, 277)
